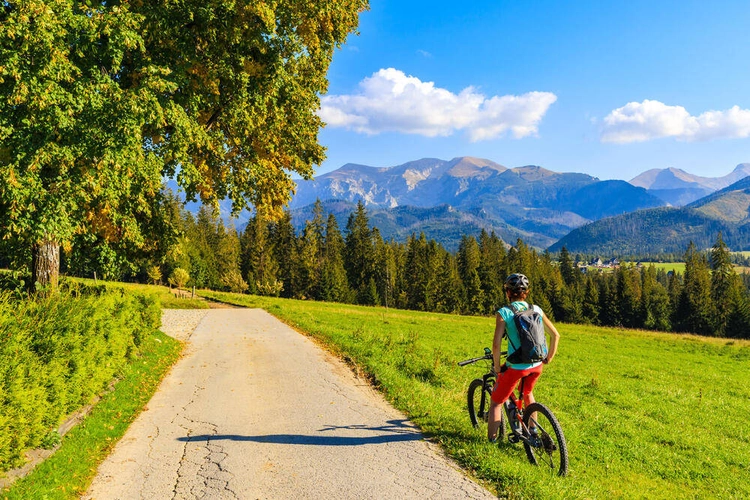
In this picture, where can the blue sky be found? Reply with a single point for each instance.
(607, 88)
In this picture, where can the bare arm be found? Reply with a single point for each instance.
(554, 338)
(497, 342)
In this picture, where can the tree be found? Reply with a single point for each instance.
(99, 101)
(311, 254)
(179, 277)
(284, 243)
(359, 253)
(334, 284)
(234, 282)
(725, 286)
(693, 308)
(468, 259)
(569, 273)
(628, 286)
(655, 305)
(154, 275)
(491, 271)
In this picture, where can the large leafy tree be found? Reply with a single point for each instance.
(100, 100)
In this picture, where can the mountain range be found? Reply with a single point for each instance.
(660, 210)
(678, 188)
(466, 194)
(670, 229)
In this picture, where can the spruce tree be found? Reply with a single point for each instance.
(655, 306)
(468, 268)
(725, 286)
(285, 250)
(491, 270)
(311, 254)
(693, 312)
(567, 269)
(334, 283)
(628, 296)
(416, 272)
(359, 254)
(590, 306)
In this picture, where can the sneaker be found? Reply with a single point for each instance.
(534, 438)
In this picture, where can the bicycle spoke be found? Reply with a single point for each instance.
(546, 447)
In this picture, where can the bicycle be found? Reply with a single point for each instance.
(546, 446)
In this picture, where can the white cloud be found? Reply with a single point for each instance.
(647, 120)
(390, 101)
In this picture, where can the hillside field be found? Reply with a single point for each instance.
(646, 415)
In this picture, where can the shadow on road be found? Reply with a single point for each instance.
(398, 430)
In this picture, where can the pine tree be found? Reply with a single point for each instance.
(628, 285)
(205, 239)
(693, 312)
(568, 271)
(590, 306)
(725, 286)
(359, 254)
(259, 266)
(468, 269)
(227, 253)
(285, 250)
(446, 298)
(491, 272)
(416, 272)
(311, 255)
(334, 283)
(655, 306)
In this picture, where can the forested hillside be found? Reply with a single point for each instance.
(669, 230)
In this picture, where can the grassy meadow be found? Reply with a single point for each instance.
(646, 415)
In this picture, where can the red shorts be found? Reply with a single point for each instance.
(507, 381)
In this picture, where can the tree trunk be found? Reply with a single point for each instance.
(45, 264)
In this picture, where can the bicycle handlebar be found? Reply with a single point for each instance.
(480, 358)
(474, 360)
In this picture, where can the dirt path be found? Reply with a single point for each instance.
(256, 410)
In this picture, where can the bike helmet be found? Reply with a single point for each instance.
(517, 283)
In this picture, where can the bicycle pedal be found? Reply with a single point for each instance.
(513, 438)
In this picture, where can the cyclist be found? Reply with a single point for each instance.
(516, 291)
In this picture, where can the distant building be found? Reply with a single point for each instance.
(598, 263)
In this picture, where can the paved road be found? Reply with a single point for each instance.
(256, 410)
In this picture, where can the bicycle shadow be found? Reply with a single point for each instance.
(394, 431)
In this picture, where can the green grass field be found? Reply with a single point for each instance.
(646, 415)
(678, 267)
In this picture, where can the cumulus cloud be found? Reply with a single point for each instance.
(647, 120)
(391, 101)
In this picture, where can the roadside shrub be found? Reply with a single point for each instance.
(179, 277)
(57, 353)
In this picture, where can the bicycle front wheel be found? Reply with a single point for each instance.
(547, 448)
(479, 406)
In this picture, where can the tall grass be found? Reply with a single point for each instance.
(646, 415)
(70, 470)
(56, 353)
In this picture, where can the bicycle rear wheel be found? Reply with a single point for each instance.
(548, 449)
(479, 407)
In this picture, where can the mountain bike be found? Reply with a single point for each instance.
(535, 426)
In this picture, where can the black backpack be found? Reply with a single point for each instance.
(530, 328)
